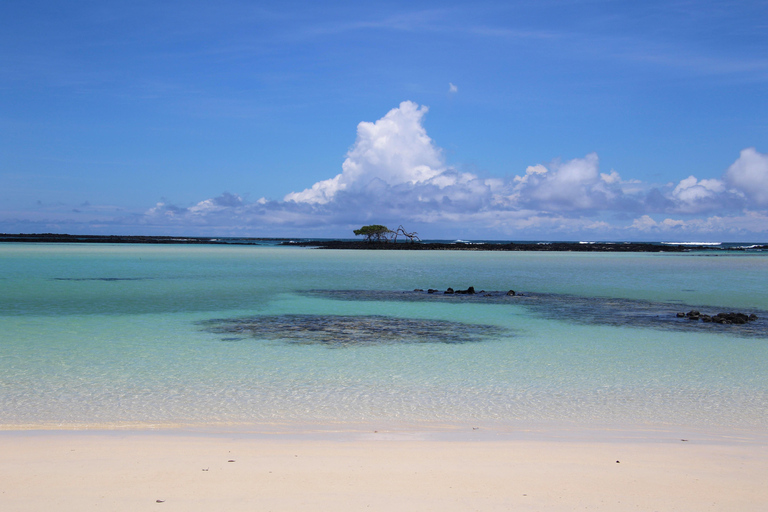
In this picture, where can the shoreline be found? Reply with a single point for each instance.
(518, 431)
(510, 246)
(189, 470)
(53, 238)
(613, 247)
(702, 462)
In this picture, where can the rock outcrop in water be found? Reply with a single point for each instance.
(719, 318)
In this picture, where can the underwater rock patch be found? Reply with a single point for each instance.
(350, 330)
(109, 279)
(572, 308)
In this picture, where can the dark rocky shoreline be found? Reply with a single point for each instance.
(511, 246)
(131, 239)
(363, 245)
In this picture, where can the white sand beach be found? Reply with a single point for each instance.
(182, 471)
(130, 377)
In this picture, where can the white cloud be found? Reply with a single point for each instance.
(744, 185)
(452, 89)
(220, 203)
(647, 224)
(395, 150)
(694, 195)
(394, 173)
(749, 175)
(738, 227)
(644, 223)
(574, 185)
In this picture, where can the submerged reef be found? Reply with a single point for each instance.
(719, 318)
(107, 279)
(336, 331)
(339, 331)
(576, 309)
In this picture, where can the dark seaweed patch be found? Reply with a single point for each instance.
(576, 309)
(343, 331)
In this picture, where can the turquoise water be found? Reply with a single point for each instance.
(111, 335)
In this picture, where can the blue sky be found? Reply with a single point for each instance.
(504, 120)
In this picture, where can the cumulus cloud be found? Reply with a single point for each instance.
(736, 225)
(695, 195)
(647, 224)
(749, 176)
(395, 173)
(395, 166)
(222, 202)
(394, 150)
(574, 185)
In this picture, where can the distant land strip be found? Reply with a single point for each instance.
(131, 239)
(510, 246)
(384, 246)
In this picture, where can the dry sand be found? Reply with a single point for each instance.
(183, 471)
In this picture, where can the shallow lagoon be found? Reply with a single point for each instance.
(113, 335)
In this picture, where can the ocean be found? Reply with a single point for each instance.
(154, 336)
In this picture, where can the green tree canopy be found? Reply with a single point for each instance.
(373, 233)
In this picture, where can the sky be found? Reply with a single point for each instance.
(501, 120)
